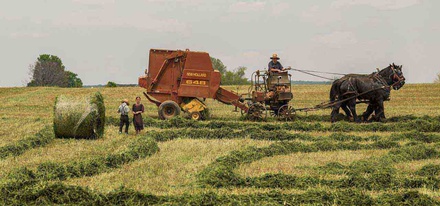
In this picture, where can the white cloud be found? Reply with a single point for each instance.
(320, 16)
(109, 18)
(337, 39)
(379, 4)
(94, 2)
(243, 7)
(34, 35)
(280, 8)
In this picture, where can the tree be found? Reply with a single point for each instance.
(73, 80)
(49, 70)
(51, 58)
(236, 77)
(217, 64)
(111, 84)
(438, 79)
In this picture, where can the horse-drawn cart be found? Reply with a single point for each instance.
(180, 81)
(270, 92)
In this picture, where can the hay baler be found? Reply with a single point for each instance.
(178, 80)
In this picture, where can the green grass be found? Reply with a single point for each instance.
(223, 160)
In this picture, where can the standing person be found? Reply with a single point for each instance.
(123, 110)
(274, 65)
(138, 109)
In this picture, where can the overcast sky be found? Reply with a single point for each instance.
(109, 40)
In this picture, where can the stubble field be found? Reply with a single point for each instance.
(224, 160)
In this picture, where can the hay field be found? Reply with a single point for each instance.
(223, 160)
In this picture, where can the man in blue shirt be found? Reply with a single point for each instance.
(275, 65)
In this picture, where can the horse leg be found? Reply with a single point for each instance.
(370, 109)
(352, 106)
(380, 112)
(335, 111)
(346, 110)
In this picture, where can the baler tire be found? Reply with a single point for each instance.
(168, 109)
(196, 116)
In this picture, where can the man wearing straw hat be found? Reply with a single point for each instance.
(123, 110)
(275, 65)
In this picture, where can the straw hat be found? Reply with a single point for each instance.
(126, 101)
(274, 56)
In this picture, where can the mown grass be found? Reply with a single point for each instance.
(171, 176)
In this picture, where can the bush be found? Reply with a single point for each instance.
(111, 84)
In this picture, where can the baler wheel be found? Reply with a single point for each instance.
(168, 109)
(196, 116)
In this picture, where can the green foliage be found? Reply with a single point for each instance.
(73, 80)
(51, 58)
(218, 65)
(236, 77)
(111, 84)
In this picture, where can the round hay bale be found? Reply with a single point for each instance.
(81, 117)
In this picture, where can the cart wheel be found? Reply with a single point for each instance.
(243, 112)
(196, 116)
(168, 109)
(286, 113)
(273, 113)
(257, 112)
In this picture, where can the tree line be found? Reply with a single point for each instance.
(49, 71)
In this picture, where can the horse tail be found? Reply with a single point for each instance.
(334, 91)
(336, 88)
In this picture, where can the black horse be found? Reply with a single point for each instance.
(375, 88)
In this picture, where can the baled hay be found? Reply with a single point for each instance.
(81, 117)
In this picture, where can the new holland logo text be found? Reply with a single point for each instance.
(195, 74)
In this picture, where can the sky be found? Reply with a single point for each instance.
(109, 40)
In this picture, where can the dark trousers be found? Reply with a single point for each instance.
(124, 120)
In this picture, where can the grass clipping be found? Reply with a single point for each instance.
(81, 117)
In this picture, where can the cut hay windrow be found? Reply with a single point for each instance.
(40, 139)
(221, 172)
(81, 117)
(282, 135)
(61, 194)
(430, 170)
(142, 147)
(420, 125)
